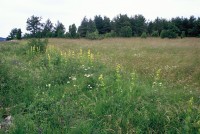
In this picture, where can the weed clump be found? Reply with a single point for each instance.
(38, 45)
(144, 35)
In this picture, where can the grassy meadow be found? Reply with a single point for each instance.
(109, 86)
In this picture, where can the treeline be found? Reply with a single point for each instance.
(120, 26)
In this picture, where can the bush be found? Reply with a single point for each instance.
(126, 31)
(144, 35)
(182, 34)
(38, 45)
(111, 34)
(168, 34)
(164, 34)
(155, 34)
(93, 35)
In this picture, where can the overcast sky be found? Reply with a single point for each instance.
(14, 13)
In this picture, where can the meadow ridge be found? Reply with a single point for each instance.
(114, 85)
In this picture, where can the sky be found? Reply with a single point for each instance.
(14, 13)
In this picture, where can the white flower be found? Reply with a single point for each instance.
(68, 82)
(88, 75)
(160, 84)
(74, 78)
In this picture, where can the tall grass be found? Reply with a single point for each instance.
(74, 90)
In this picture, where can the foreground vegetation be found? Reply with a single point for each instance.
(106, 86)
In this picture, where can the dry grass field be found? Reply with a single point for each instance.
(178, 59)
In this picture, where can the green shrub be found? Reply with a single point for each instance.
(38, 45)
(164, 34)
(182, 34)
(168, 34)
(111, 34)
(93, 35)
(126, 31)
(172, 34)
(144, 35)
(155, 34)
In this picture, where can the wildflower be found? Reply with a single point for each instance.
(158, 74)
(73, 54)
(89, 53)
(69, 53)
(81, 53)
(68, 82)
(73, 78)
(65, 54)
(89, 86)
(48, 85)
(118, 67)
(160, 84)
(88, 75)
(102, 84)
(133, 78)
(92, 57)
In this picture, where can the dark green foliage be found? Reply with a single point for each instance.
(172, 34)
(138, 24)
(99, 23)
(26, 36)
(72, 31)
(83, 28)
(144, 35)
(150, 27)
(182, 34)
(155, 34)
(15, 34)
(19, 34)
(92, 35)
(59, 30)
(110, 34)
(121, 23)
(168, 34)
(104, 26)
(38, 45)
(173, 28)
(91, 27)
(164, 34)
(160, 24)
(126, 31)
(48, 29)
(34, 25)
